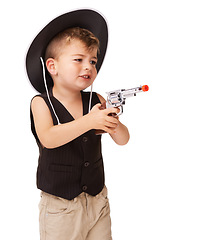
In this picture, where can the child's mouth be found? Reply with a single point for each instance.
(85, 76)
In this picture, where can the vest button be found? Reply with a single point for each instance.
(85, 139)
(84, 188)
(86, 164)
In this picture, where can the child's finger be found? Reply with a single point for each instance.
(112, 110)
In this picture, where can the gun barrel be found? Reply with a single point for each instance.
(132, 91)
(117, 97)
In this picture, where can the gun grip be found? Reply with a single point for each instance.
(112, 114)
(98, 131)
(103, 106)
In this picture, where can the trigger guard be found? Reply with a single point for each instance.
(121, 110)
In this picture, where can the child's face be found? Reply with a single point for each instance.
(76, 66)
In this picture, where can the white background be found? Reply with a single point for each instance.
(158, 183)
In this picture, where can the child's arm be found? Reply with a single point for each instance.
(121, 135)
(52, 136)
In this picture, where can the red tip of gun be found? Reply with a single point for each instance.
(145, 88)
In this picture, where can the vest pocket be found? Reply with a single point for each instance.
(60, 168)
(98, 163)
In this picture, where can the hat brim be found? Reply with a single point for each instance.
(84, 18)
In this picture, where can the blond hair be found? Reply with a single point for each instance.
(55, 46)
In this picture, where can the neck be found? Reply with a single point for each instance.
(65, 94)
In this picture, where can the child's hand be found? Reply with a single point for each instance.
(102, 119)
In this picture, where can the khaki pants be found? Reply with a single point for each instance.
(83, 218)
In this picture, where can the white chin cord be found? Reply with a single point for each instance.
(47, 92)
(90, 97)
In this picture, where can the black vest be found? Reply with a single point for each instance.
(75, 167)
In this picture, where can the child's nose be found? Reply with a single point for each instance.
(87, 66)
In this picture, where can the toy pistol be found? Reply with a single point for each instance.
(117, 98)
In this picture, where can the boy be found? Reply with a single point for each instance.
(70, 173)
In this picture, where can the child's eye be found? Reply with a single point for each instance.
(78, 60)
(93, 62)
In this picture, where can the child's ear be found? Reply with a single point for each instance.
(51, 66)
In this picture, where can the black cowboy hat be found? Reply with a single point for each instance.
(84, 18)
